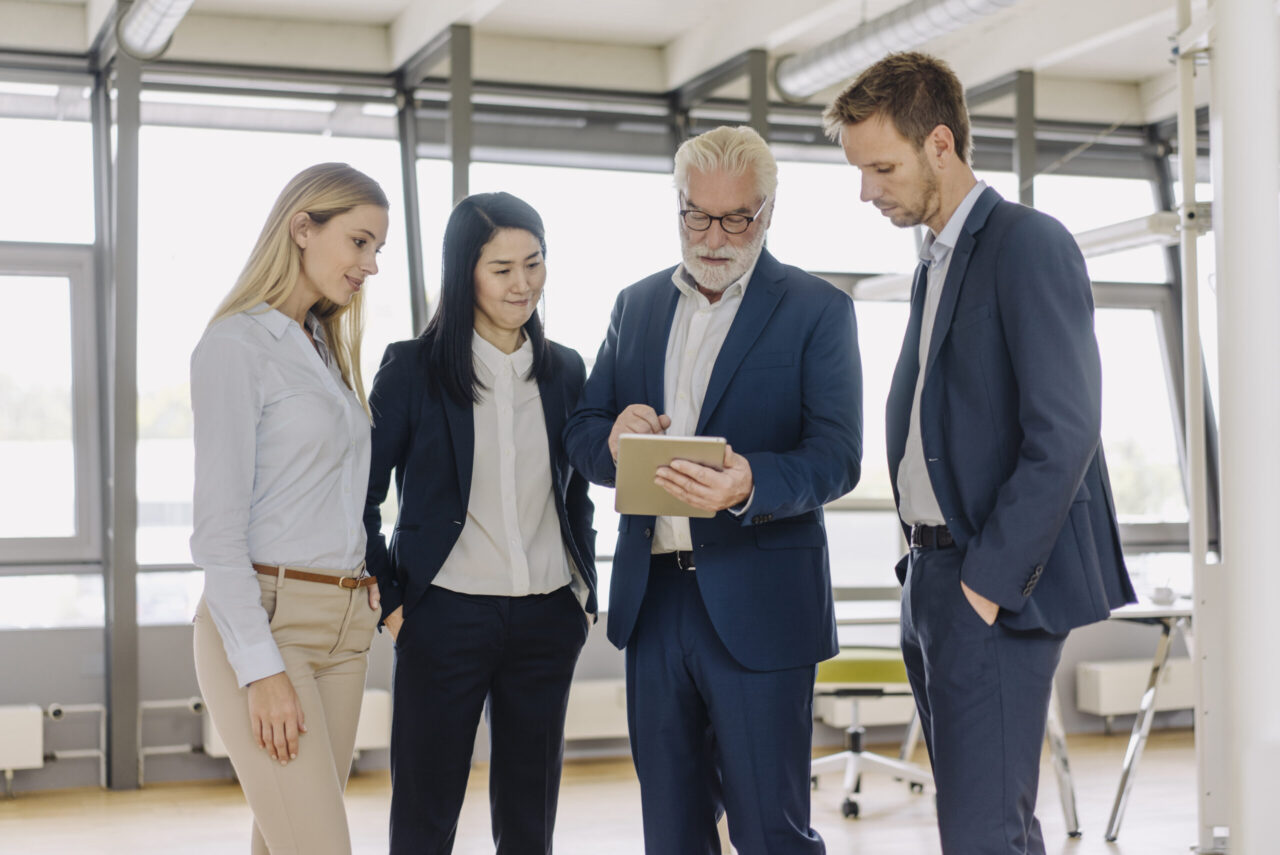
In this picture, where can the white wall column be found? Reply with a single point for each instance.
(1245, 143)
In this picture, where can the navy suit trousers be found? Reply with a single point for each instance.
(983, 696)
(454, 651)
(709, 735)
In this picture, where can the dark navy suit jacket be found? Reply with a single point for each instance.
(786, 391)
(1010, 418)
(428, 439)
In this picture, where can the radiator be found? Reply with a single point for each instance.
(372, 731)
(21, 737)
(1116, 687)
(597, 710)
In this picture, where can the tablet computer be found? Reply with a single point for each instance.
(640, 455)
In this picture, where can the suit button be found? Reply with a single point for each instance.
(609, 483)
(648, 532)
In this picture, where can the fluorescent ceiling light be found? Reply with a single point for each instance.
(145, 29)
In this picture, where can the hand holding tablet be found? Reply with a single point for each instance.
(640, 456)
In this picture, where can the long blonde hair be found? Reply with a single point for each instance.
(322, 191)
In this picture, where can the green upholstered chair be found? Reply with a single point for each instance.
(867, 672)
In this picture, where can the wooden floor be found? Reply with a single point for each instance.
(600, 812)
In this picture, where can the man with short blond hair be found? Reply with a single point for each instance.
(724, 618)
(992, 432)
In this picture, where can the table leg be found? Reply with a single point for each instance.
(1141, 729)
(1061, 766)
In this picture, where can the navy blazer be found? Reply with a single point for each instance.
(786, 391)
(428, 438)
(1010, 419)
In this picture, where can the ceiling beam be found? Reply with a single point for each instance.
(1039, 34)
(422, 21)
(748, 24)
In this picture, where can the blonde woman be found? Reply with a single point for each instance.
(282, 461)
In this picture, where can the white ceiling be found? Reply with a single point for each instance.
(1101, 59)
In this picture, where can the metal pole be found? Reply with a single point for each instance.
(122, 554)
(460, 90)
(1024, 139)
(1245, 152)
(1211, 720)
(407, 123)
(758, 90)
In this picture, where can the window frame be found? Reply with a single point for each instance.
(75, 263)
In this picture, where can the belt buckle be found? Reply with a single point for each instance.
(681, 562)
(348, 582)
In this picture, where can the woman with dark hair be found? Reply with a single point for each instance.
(489, 580)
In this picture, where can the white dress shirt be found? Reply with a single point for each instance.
(281, 470)
(510, 544)
(698, 331)
(917, 502)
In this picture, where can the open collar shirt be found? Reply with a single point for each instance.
(281, 470)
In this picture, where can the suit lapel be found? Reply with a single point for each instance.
(553, 414)
(956, 270)
(462, 433)
(655, 351)
(758, 302)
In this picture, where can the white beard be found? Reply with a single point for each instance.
(717, 277)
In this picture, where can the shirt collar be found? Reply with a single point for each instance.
(274, 320)
(495, 360)
(936, 247)
(684, 281)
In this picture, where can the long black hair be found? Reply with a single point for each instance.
(472, 224)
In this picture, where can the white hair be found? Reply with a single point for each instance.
(735, 151)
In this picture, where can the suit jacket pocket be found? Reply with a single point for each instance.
(790, 535)
(769, 359)
(972, 316)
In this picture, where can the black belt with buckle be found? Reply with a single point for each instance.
(931, 537)
(679, 560)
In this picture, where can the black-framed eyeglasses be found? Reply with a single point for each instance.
(732, 224)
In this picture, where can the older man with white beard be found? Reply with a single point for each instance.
(724, 618)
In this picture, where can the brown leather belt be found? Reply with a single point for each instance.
(349, 582)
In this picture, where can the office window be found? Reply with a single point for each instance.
(37, 455)
(820, 224)
(46, 171)
(203, 197)
(1137, 419)
(54, 600)
(49, 450)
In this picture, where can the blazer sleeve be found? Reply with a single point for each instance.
(392, 430)
(827, 463)
(1046, 313)
(586, 433)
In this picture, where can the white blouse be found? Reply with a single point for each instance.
(281, 470)
(510, 544)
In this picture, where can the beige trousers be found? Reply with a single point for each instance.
(324, 633)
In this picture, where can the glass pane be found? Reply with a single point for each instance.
(185, 272)
(169, 597)
(44, 602)
(37, 456)
(1137, 420)
(881, 327)
(49, 166)
(864, 546)
(1082, 203)
(820, 224)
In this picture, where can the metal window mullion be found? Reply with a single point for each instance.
(122, 560)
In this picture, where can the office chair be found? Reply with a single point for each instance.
(867, 672)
